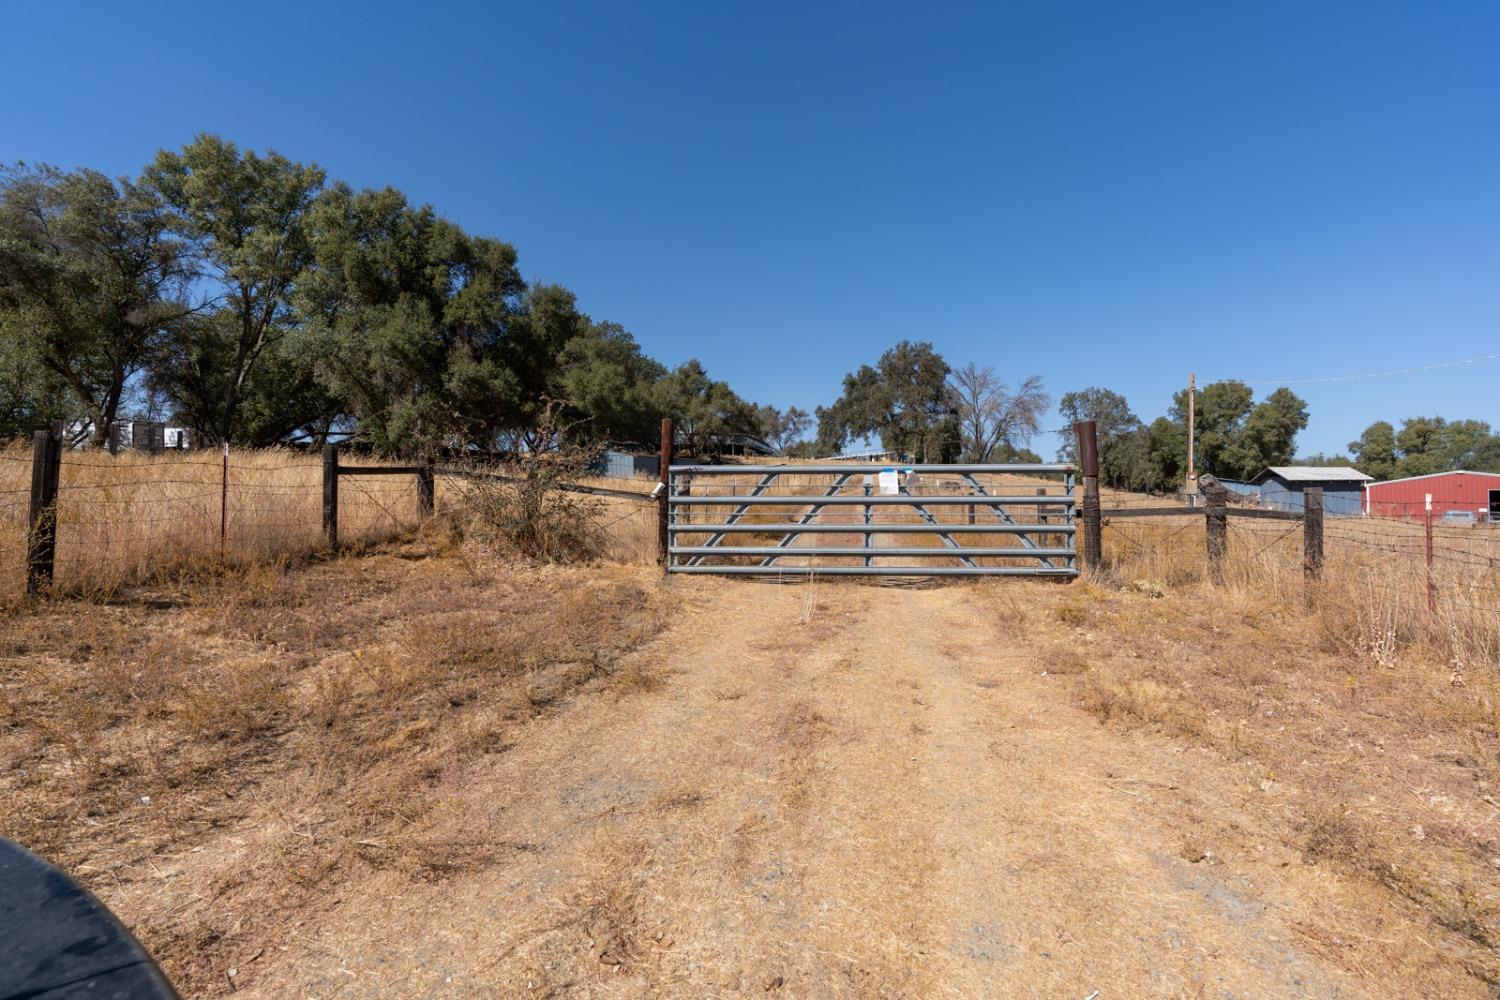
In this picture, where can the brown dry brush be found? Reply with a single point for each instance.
(1355, 669)
(328, 745)
(529, 509)
(1372, 599)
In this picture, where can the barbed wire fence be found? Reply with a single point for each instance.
(89, 521)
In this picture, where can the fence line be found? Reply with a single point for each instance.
(76, 520)
(100, 520)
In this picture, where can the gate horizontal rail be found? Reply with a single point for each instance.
(986, 528)
(777, 550)
(869, 468)
(736, 570)
(872, 528)
(770, 500)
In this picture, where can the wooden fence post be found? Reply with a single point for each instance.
(331, 495)
(1092, 550)
(664, 477)
(1312, 533)
(426, 490)
(41, 542)
(1216, 519)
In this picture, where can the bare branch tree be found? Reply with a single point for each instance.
(994, 421)
(781, 429)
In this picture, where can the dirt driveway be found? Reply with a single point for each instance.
(843, 790)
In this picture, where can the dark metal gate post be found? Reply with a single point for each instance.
(1216, 519)
(331, 495)
(1312, 532)
(664, 476)
(426, 490)
(1088, 461)
(41, 543)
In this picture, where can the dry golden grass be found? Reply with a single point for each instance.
(1372, 599)
(325, 715)
(1370, 725)
(135, 518)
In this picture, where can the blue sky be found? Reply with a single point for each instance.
(1104, 193)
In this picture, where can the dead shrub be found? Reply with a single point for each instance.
(528, 508)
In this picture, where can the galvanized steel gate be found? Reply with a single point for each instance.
(979, 520)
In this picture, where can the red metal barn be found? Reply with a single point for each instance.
(1478, 492)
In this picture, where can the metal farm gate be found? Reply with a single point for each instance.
(871, 520)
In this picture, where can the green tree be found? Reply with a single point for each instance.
(610, 385)
(1270, 433)
(1470, 444)
(246, 213)
(1118, 430)
(1420, 443)
(1164, 456)
(280, 396)
(705, 411)
(407, 316)
(1375, 450)
(1236, 437)
(904, 398)
(1319, 458)
(31, 394)
(90, 279)
(537, 337)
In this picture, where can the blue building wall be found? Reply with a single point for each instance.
(1339, 498)
(1240, 489)
(623, 465)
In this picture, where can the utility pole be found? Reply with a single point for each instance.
(1192, 474)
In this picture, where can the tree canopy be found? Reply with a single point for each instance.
(1235, 436)
(249, 298)
(904, 399)
(92, 278)
(1425, 445)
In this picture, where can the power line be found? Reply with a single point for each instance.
(1362, 375)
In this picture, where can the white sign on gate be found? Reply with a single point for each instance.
(890, 482)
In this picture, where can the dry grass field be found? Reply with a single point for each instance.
(423, 767)
(136, 518)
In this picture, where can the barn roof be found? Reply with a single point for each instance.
(1313, 474)
(1439, 475)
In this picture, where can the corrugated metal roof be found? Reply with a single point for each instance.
(1436, 475)
(1315, 474)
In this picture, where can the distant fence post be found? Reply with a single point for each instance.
(426, 489)
(224, 504)
(41, 541)
(1431, 584)
(1312, 533)
(664, 476)
(1088, 462)
(1216, 519)
(331, 494)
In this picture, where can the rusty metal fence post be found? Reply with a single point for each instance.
(664, 477)
(41, 541)
(1092, 550)
(331, 495)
